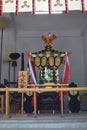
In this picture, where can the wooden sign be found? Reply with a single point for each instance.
(22, 79)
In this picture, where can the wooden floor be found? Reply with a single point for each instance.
(47, 115)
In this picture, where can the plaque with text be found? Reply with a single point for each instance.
(22, 79)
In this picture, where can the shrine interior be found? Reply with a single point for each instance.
(23, 33)
(43, 71)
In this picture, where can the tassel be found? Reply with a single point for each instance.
(31, 67)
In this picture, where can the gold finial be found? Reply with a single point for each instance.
(48, 39)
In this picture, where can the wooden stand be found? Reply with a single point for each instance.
(61, 99)
(22, 107)
(7, 103)
(35, 106)
(2, 103)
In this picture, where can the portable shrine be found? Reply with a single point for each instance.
(48, 61)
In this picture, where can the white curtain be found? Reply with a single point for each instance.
(25, 6)
(42, 6)
(58, 5)
(85, 2)
(9, 6)
(74, 5)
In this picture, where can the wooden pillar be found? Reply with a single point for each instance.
(2, 103)
(61, 99)
(7, 103)
(22, 104)
(22, 113)
(35, 103)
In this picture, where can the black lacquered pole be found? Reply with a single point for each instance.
(9, 71)
(22, 61)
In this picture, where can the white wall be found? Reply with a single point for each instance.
(74, 44)
(85, 53)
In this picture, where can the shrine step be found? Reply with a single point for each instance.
(44, 125)
(45, 121)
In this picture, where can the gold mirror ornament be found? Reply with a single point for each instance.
(43, 61)
(57, 61)
(37, 61)
(51, 61)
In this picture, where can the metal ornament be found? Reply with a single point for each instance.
(43, 61)
(37, 61)
(57, 61)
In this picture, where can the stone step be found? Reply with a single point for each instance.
(27, 125)
(45, 121)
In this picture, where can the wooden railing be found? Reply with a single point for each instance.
(36, 88)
